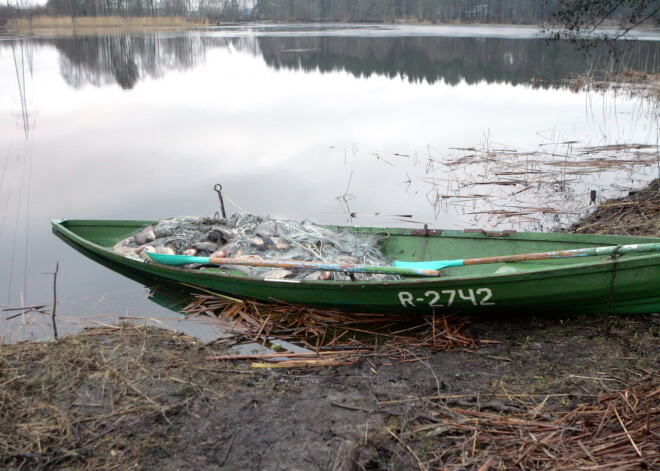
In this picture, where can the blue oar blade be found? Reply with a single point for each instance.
(436, 265)
(176, 260)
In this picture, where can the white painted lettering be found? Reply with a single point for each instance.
(406, 298)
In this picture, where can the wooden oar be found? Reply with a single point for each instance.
(407, 268)
(586, 252)
(178, 260)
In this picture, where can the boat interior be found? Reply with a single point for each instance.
(415, 245)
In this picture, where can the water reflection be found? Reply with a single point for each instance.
(293, 125)
(447, 59)
(23, 54)
(125, 59)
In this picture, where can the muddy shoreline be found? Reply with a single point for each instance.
(538, 392)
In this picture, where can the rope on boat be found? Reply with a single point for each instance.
(615, 260)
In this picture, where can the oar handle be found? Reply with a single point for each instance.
(585, 252)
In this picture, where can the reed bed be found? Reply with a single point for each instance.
(496, 184)
(348, 335)
(619, 430)
(629, 82)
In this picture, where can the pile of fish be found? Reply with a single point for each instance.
(247, 236)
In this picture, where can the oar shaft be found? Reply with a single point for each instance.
(586, 252)
(350, 268)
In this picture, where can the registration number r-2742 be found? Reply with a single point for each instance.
(447, 297)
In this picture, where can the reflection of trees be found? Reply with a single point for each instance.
(126, 59)
(448, 59)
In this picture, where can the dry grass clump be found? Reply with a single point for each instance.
(619, 430)
(96, 400)
(95, 22)
(637, 214)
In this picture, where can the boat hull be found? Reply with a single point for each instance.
(628, 284)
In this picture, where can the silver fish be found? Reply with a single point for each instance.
(165, 250)
(226, 250)
(145, 235)
(206, 246)
(158, 242)
(142, 252)
(317, 275)
(126, 247)
(241, 268)
(277, 274)
(220, 235)
(266, 228)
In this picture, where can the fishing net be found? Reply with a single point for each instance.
(250, 236)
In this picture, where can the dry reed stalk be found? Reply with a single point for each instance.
(320, 329)
(493, 179)
(619, 430)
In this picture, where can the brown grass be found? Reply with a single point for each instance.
(100, 22)
(96, 400)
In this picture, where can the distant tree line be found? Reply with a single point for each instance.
(9, 11)
(217, 10)
(77, 8)
(431, 11)
(576, 16)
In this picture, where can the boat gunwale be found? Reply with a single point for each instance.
(595, 266)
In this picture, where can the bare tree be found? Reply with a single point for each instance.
(579, 20)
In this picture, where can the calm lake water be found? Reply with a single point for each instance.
(455, 126)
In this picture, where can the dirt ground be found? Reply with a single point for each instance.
(569, 392)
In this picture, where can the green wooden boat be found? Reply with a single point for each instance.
(628, 283)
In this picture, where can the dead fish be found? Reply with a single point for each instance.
(220, 253)
(279, 244)
(266, 231)
(220, 235)
(145, 235)
(209, 247)
(317, 275)
(142, 252)
(164, 250)
(241, 268)
(277, 274)
(128, 242)
(226, 250)
(178, 244)
(266, 228)
(126, 247)
(258, 241)
(191, 252)
(158, 242)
